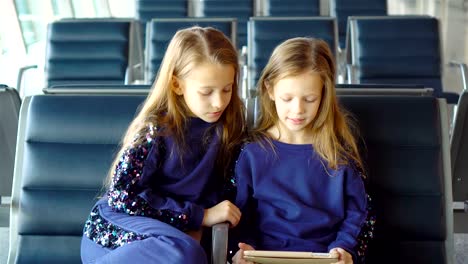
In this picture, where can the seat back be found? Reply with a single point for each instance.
(262, 39)
(238, 9)
(342, 9)
(149, 9)
(288, 8)
(146, 10)
(104, 51)
(408, 166)
(9, 112)
(398, 50)
(406, 140)
(160, 32)
(65, 147)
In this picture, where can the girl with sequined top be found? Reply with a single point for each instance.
(164, 186)
(299, 182)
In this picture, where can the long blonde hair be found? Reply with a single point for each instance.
(333, 139)
(164, 108)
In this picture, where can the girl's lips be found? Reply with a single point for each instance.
(296, 121)
(213, 114)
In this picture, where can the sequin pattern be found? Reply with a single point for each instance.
(106, 234)
(367, 232)
(368, 227)
(123, 193)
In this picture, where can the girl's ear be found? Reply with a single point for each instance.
(269, 90)
(175, 86)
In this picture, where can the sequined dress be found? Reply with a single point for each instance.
(155, 180)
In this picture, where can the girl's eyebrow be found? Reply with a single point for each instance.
(213, 87)
(307, 95)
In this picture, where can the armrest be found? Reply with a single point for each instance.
(244, 85)
(460, 206)
(220, 243)
(463, 72)
(20, 76)
(351, 73)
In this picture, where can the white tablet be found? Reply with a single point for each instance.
(293, 257)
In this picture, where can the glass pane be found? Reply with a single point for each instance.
(32, 16)
(102, 8)
(62, 8)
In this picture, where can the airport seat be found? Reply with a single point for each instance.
(104, 51)
(149, 9)
(397, 50)
(66, 144)
(408, 162)
(9, 112)
(241, 10)
(161, 31)
(342, 9)
(289, 8)
(408, 166)
(262, 39)
(146, 10)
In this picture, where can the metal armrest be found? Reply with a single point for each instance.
(351, 73)
(460, 206)
(464, 72)
(220, 243)
(20, 76)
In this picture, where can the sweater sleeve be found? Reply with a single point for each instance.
(355, 213)
(245, 230)
(130, 194)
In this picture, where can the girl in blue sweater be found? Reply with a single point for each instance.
(299, 181)
(163, 187)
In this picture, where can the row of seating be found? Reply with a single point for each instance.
(406, 137)
(242, 10)
(390, 50)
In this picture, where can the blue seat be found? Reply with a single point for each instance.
(161, 31)
(65, 147)
(342, 9)
(265, 33)
(9, 113)
(288, 8)
(149, 9)
(406, 138)
(80, 51)
(397, 50)
(242, 10)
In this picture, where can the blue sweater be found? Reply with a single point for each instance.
(290, 201)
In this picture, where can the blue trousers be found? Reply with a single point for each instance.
(166, 244)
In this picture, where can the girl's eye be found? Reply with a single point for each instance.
(285, 99)
(227, 89)
(204, 92)
(310, 100)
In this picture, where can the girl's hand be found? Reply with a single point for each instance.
(222, 212)
(195, 234)
(239, 256)
(343, 256)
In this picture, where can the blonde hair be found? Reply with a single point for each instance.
(164, 108)
(333, 139)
